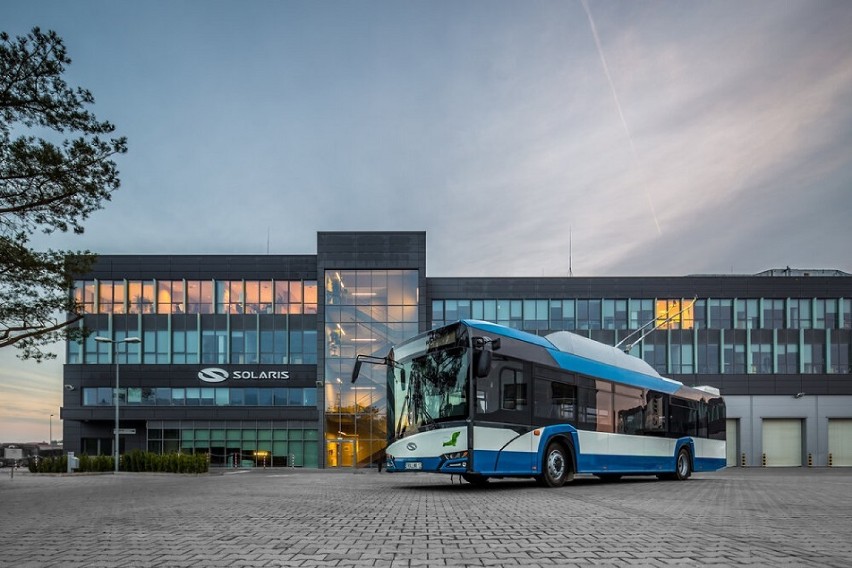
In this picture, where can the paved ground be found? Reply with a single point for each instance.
(754, 517)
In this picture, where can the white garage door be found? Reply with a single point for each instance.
(731, 437)
(840, 441)
(782, 442)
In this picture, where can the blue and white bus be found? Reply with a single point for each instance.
(485, 401)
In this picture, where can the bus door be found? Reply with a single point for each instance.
(503, 441)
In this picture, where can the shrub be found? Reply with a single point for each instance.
(135, 461)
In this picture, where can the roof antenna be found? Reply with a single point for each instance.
(267, 240)
(570, 251)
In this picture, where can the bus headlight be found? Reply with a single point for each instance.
(454, 456)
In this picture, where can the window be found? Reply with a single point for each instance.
(229, 297)
(813, 352)
(555, 400)
(588, 314)
(438, 313)
(629, 410)
(155, 340)
(734, 352)
(214, 345)
(773, 314)
(682, 352)
(675, 314)
(654, 351)
(562, 314)
(708, 351)
(800, 314)
(761, 352)
(614, 314)
(111, 296)
(748, 316)
(140, 297)
(170, 297)
(841, 345)
(721, 314)
(184, 345)
(513, 389)
(641, 313)
(199, 297)
(787, 352)
(683, 417)
(535, 315)
(84, 295)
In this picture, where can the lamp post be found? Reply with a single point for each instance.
(115, 396)
(50, 440)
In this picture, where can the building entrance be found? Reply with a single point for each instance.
(340, 453)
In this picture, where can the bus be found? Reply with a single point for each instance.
(483, 401)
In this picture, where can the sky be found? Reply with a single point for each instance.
(527, 138)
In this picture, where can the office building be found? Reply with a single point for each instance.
(246, 358)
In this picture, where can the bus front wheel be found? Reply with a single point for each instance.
(556, 469)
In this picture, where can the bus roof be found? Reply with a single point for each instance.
(583, 355)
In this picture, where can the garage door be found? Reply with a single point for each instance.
(782, 442)
(840, 441)
(732, 434)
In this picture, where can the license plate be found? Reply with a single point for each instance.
(414, 465)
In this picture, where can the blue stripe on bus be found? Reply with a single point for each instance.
(709, 464)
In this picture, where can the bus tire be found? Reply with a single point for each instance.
(475, 479)
(556, 468)
(683, 466)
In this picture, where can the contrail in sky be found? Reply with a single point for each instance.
(618, 107)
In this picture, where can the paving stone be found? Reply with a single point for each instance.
(308, 519)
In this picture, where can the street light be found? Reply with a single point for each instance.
(339, 422)
(50, 440)
(115, 396)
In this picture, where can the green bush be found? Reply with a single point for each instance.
(135, 461)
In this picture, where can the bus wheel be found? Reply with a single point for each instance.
(475, 479)
(557, 467)
(683, 468)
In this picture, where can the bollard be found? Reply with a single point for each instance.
(764, 459)
(742, 460)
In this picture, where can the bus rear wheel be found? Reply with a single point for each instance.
(683, 468)
(556, 469)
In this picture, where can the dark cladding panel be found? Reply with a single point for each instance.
(193, 267)
(353, 250)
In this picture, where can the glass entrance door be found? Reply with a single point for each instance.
(340, 453)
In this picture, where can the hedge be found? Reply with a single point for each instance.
(135, 461)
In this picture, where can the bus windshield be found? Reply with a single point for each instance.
(429, 382)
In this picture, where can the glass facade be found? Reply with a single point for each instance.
(694, 336)
(245, 443)
(184, 322)
(366, 312)
(201, 396)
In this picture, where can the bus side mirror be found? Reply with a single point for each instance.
(482, 360)
(356, 370)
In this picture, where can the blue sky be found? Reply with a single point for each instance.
(668, 138)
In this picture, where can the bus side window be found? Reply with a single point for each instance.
(629, 410)
(513, 388)
(655, 413)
